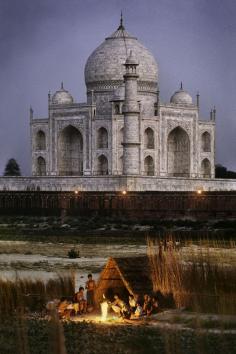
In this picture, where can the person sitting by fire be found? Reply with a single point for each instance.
(64, 308)
(119, 307)
(147, 305)
(80, 304)
(155, 305)
(132, 303)
(90, 287)
(138, 311)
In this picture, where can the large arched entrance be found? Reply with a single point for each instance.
(70, 152)
(178, 150)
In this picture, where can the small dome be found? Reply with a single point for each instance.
(181, 97)
(62, 96)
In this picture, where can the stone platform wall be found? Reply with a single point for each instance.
(115, 184)
(133, 205)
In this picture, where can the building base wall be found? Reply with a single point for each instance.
(115, 184)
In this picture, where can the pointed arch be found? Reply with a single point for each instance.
(206, 168)
(206, 142)
(102, 165)
(149, 166)
(149, 138)
(102, 138)
(70, 152)
(178, 153)
(41, 166)
(40, 140)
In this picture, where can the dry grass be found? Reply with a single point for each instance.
(32, 295)
(206, 282)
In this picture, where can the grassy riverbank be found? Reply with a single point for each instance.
(108, 230)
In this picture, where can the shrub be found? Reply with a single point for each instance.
(73, 253)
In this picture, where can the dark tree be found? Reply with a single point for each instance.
(222, 172)
(12, 168)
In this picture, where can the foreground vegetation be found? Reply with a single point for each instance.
(204, 282)
(37, 337)
(29, 296)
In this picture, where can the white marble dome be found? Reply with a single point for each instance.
(106, 63)
(181, 97)
(62, 96)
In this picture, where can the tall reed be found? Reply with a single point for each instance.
(32, 295)
(202, 282)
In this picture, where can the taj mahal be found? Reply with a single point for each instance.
(124, 136)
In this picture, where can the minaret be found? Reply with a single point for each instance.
(131, 144)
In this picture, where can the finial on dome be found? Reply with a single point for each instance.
(121, 27)
(62, 86)
(181, 85)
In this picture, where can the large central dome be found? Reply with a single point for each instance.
(106, 63)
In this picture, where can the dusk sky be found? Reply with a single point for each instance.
(44, 42)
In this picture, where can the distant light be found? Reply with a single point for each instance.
(199, 191)
(76, 192)
(124, 192)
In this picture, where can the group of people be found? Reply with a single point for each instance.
(80, 303)
(136, 307)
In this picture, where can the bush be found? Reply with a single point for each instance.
(73, 253)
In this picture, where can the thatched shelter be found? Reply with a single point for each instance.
(124, 276)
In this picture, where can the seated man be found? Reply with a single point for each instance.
(119, 307)
(132, 303)
(147, 305)
(138, 311)
(80, 301)
(63, 310)
(155, 305)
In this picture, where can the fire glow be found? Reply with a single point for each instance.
(104, 309)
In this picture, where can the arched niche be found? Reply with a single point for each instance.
(206, 142)
(102, 165)
(149, 138)
(40, 140)
(206, 168)
(102, 138)
(149, 166)
(41, 166)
